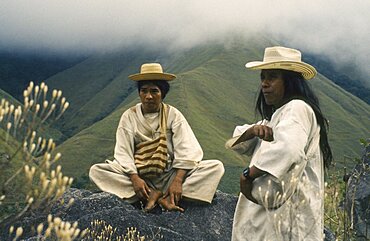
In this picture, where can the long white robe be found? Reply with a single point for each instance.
(295, 166)
(184, 152)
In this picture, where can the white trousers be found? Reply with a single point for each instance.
(200, 183)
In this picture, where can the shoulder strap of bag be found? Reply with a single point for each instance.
(164, 117)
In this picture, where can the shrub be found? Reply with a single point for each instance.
(27, 159)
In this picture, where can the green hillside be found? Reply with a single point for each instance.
(18, 68)
(10, 162)
(8, 97)
(213, 90)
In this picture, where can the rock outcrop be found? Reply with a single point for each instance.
(212, 222)
(357, 202)
(198, 222)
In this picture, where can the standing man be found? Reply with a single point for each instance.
(282, 189)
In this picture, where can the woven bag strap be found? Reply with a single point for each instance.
(163, 115)
(163, 118)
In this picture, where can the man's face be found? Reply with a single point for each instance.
(272, 85)
(151, 98)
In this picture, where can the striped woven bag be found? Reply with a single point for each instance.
(151, 156)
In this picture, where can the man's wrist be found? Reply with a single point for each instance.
(180, 175)
(134, 176)
(246, 174)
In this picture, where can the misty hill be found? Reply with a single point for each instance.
(213, 90)
(347, 78)
(17, 69)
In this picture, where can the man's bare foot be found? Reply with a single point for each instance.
(166, 204)
(152, 201)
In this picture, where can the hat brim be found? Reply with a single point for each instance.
(306, 70)
(152, 76)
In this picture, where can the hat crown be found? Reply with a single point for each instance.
(278, 53)
(283, 58)
(151, 68)
(152, 71)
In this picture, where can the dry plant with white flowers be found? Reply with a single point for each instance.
(286, 204)
(336, 219)
(55, 229)
(32, 162)
(101, 230)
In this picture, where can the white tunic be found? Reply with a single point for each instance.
(134, 128)
(291, 196)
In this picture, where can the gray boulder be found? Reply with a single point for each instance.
(357, 201)
(198, 222)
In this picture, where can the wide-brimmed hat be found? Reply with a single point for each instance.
(284, 58)
(152, 71)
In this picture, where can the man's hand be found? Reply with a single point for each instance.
(263, 132)
(246, 186)
(173, 194)
(175, 189)
(140, 187)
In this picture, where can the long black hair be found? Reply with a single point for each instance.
(163, 85)
(296, 87)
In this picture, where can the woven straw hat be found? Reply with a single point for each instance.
(283, 58)
(152, 71)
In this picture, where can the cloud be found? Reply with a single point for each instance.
(338, 29)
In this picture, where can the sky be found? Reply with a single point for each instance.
(338, 29)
